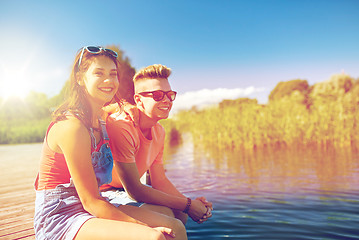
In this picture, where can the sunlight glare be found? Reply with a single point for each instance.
(18, 63)
(13, 83)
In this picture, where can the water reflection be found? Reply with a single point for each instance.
(291, 193)
(270, 169)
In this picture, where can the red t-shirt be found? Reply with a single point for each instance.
(129, 145)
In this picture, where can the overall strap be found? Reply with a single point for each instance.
(93, 139)
(104, 132)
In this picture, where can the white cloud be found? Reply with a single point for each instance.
(206, 97)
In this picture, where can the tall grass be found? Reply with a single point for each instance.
(20, 131)
(297, 114)
(312, 116)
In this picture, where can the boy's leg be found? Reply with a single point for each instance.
(155, 219)
(167, 211)
(159, 209)
(118, 197)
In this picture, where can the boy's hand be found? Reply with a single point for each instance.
(209, 207)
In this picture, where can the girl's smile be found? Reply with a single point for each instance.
(101, 81)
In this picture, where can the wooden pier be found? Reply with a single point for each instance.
(18, 169)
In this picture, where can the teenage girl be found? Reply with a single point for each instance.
(76, 160)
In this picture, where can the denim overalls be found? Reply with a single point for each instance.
(59, 213)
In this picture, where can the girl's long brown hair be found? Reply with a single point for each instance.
(76, 101)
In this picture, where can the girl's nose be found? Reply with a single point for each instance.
(108, 79)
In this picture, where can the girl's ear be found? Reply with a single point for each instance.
(79, 79)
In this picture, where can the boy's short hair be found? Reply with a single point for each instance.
(152, 71)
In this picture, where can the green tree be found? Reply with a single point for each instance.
(26, 120)
(126, 89)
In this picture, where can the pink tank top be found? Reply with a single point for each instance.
(53, 167)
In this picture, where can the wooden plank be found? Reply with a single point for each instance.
(22, 234)
(18, 232)
(19, 166)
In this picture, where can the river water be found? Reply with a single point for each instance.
(308, 193)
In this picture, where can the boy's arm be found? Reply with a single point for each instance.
(130, 178)
(124, 148)
(160, 181)
(131, 182)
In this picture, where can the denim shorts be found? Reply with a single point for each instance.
(118, 196)
(59, 213)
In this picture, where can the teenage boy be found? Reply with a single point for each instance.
(139, 148)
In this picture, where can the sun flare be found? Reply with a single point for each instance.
(13, 84)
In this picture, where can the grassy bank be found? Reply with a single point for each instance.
(20, 131)
(297, 114)
(324, 114)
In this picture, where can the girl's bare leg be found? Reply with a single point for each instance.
(96, 228)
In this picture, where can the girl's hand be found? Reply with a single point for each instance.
(112, 108)
(126, 107)
(132, 112)
(165, 231)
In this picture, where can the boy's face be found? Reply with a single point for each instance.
(153, 109)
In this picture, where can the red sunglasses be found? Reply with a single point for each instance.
(158, 95)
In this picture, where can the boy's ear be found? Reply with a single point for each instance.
(138, 100)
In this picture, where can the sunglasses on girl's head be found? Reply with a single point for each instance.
(96, 50)
(158, 95)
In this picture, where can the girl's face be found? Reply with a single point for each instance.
(101, 81)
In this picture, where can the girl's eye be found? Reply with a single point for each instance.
(98, 73)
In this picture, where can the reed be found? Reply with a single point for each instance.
(21, 131)
(324, 114)
(311, 116)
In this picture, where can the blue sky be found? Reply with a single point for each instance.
(242, 48)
